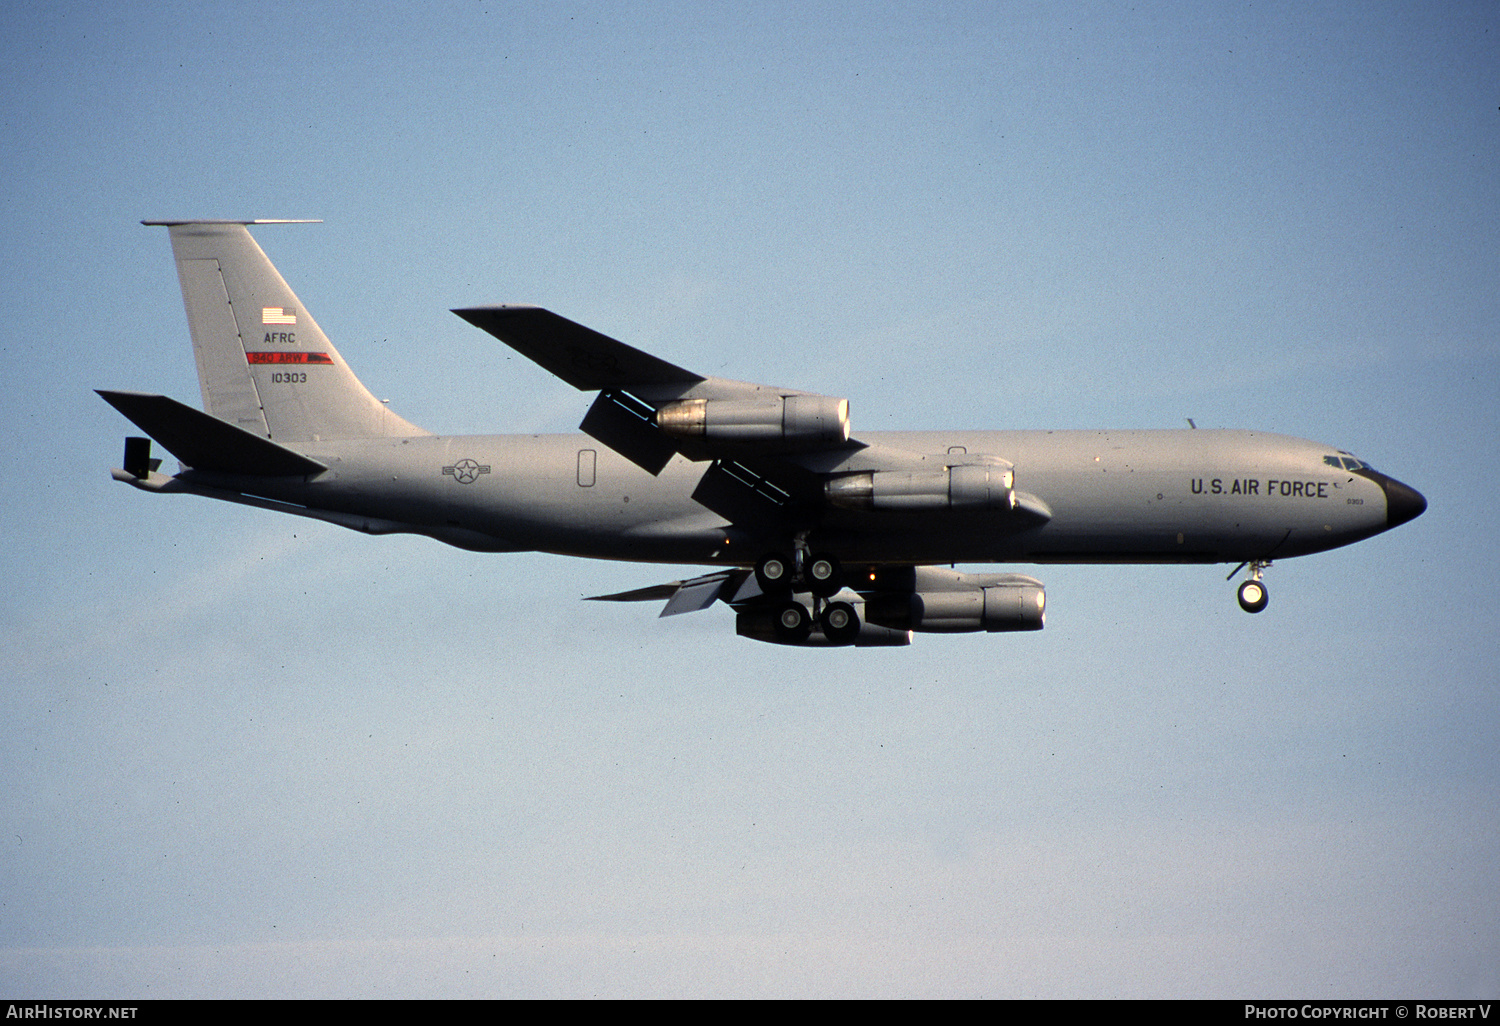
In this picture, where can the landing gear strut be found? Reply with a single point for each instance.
(1252, 593)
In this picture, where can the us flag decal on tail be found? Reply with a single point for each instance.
(277, 315)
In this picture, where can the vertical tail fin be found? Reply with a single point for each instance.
(263, 363)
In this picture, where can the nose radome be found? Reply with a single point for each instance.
(1402, 503)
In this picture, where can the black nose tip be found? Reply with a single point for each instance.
(1401, 503)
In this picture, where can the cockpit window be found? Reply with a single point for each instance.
(1346, 462)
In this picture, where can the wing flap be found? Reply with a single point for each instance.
(624, 424)
(699, 593)
(686, 596)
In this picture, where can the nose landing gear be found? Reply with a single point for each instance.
(1252, 593)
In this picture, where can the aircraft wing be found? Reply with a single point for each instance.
(580, 356)
(777, 456)
(649, 410)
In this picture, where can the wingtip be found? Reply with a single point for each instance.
(469, 313)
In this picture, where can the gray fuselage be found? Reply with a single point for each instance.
(1114, 496)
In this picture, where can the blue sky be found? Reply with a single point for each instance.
(247, 755)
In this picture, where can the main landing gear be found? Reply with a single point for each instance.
(1252, 592)
(838, 621)
(780, 577)
(777, 574)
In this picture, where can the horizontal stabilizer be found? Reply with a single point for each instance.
(204, 442)
(580, 356)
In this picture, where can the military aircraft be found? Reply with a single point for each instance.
(816, 537)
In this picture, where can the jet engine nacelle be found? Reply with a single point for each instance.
(977, 486)
(804, 419)
(997, 602)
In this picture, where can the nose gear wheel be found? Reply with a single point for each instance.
(1252, 593)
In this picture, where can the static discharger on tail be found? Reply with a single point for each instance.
(813, 535)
